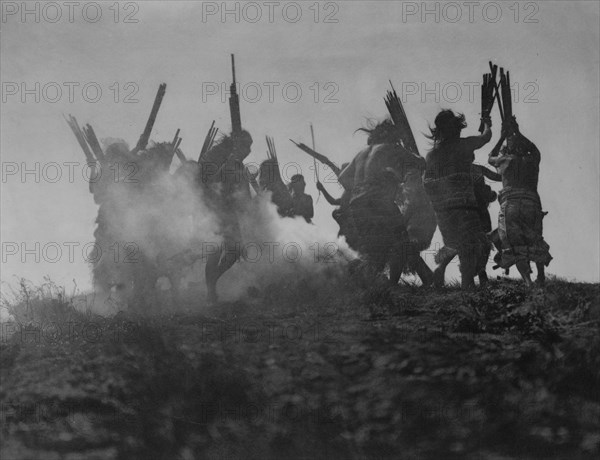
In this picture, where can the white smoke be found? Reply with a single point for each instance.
(279, 248)
(167, 221)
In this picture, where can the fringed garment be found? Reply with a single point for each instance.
(520, 228)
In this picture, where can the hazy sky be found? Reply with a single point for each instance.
(342, 69)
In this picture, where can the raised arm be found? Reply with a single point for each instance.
(493, 158)
(331, 200)
(476, 142)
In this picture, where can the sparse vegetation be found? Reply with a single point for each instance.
(315, 369)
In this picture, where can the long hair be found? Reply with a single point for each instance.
(383, 132)
(448, 126)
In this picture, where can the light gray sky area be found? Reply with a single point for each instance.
(325, 63)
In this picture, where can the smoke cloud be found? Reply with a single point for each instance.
(155, 229)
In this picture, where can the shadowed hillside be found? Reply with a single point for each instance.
(323, 368)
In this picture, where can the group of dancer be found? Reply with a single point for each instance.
(393, 198)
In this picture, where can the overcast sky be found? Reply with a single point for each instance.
(340, 55)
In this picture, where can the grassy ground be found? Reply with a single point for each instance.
(299, 371)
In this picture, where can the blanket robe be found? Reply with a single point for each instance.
(378, 222)
(520, 228)
(417, 212)
(458, 214)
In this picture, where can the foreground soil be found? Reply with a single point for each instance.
(302, 371)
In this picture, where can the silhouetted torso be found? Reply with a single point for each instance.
(452, 157)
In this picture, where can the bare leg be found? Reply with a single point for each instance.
(483, 278)
(438, 276)
(396, 264)
(482, 275)
(525, 271)
(468, 264)
(217, 264)
(422, 269)
(541, 275)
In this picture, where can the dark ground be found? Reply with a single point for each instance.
(307, 372)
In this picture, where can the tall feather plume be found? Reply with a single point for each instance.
(400, 121)
(209, 140)
(271, 152)
(80, 136)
